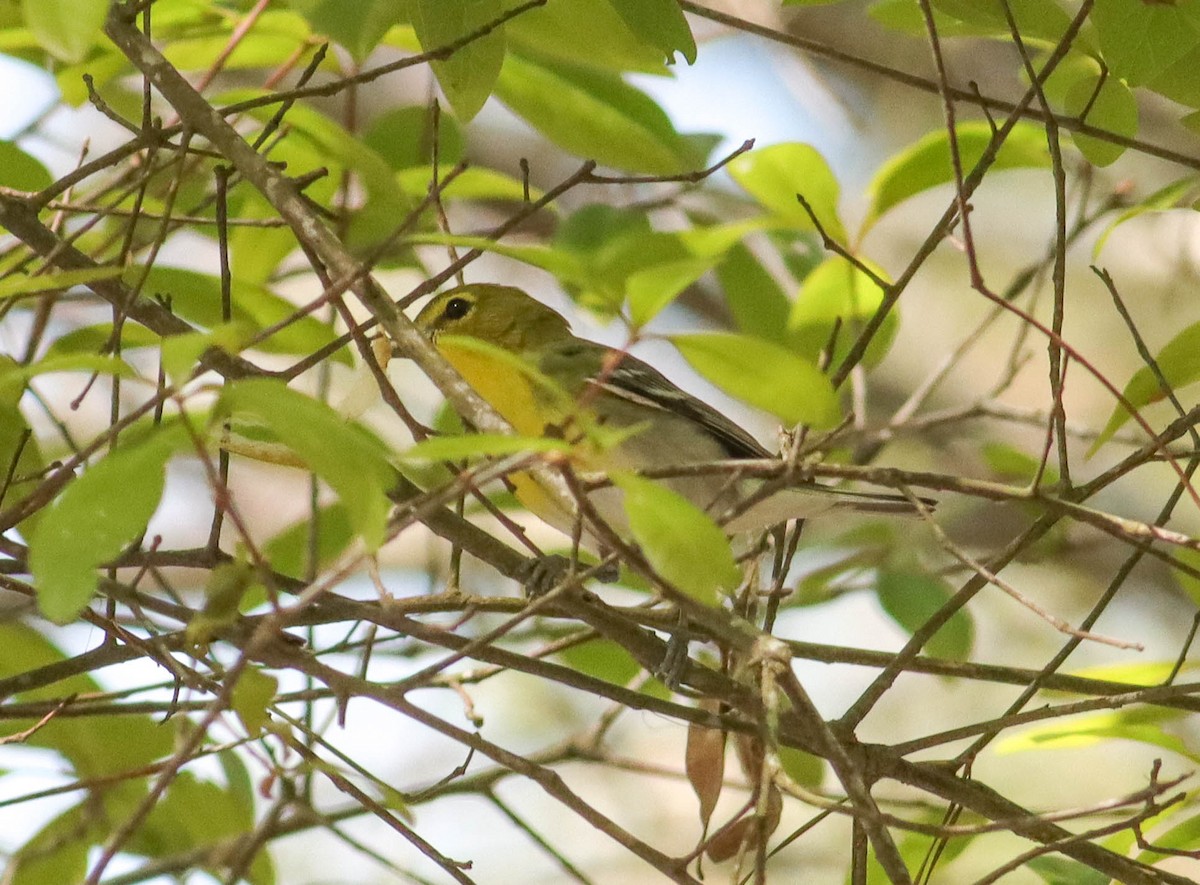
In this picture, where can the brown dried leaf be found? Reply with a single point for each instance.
(704, 762)
(743, 835)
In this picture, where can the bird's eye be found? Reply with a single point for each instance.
(456, 308)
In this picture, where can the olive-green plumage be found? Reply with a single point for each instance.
(615, 391)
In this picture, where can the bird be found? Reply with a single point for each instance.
(580, 390)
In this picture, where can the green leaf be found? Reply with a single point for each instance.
(679, 539)
(1184, 836)
(20, 458)
(1179, 363)
(1174, 195)
(927, 164)
(838, 291)
(911, 598)
(660, 23)
(1109, 105)
(1141, 40)
(181, 353)
(758, 303)
(603, 659)
(1011, 463)
(1058, 870)
(1144, 725)
(804, 768)
(358, 26)
(774, 175)
(1037, 20)
(289, 552)
(404, 138)
(764, 375)
(563, 265)
(94, 519)
(66, 28)
(582, 32)
(594, 114)
(20, 171)
(469, 75)
(653, 288)
(272, 42)
(196, 297)
(14, 378)
(56, 281)
(352, 461)
(477, 445)
(254, 692)
(475, 183)
(92, 339)
(1189, 584)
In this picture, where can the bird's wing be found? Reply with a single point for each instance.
(639, 383)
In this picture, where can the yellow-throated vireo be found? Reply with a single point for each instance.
(572, 384)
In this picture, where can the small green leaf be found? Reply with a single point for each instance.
(1189, 584)
(94, 519)
(223, 593)
(660, 23)
(594, 114)
(804, 768)
(603, 659)
(1175, 195)
(653, 288)
(13, 377)
(758, 303)
(1109, 104)
(1179, 363)
(927, 164)
(478, 445)
(56, 281)
(764, 375)
(1141, 40)
(774, 175)
(358, 26)
(404, 138)
(252, 694)
(349, 458)
(582, 32)
(1011, 463)
(1183, 836)
(911, 598)
(181, 353)
(92, 339)
(1059, 870)
(1144, 725)
(679, 539)
(837, 291)
(290, 551)
(20, 171)
(468, 76)
(66, 28)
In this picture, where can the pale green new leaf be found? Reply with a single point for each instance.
(1179, 363)
(94, 519)
(927, 163)
(679, 539)
(479, 445)
(352, 461)
(911, 598)
(651, 289)
(764, 375)
(66, 28)
(774, 175)
(469, 75)
(1109, 105)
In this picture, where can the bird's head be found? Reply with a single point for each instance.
(501, 315)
